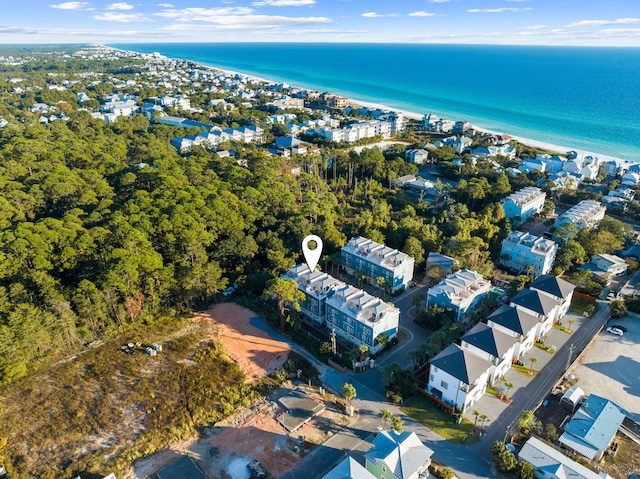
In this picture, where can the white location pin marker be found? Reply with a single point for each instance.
(312, 256)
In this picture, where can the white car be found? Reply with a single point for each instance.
(614, 331)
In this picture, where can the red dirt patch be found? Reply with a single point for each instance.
(250, 347)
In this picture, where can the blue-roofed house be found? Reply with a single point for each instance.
(549, 463)
(593, 427)
(398, 455)
(349, 468)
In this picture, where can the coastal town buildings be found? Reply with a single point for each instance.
(585, 214)
(398, 455)
(523, 204)
(549, 463)
(461, 292)
(526, 253)
(376, 260)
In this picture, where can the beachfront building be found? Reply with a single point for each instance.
(549, 463)
(493, 345)
(377, 260)
(517, 323)
(317, 287)
(558, 289)
(458, 377)
(462, 292)
(523, 204)
(398, 455)
(361, 319)
(593, 427)
(525, 252)
(586, 214)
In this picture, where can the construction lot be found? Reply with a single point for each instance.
(224, 449)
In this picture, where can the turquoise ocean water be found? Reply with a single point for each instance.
(580, 97)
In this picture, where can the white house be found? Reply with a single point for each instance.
(524, 203)
(458, 377)
(539, 305)
(349, 468)
(523, 250)
(585, 214)
(398, 455)
(518, 323)
(610, 263)
(462, 292)
(493, 345)
(557, 289)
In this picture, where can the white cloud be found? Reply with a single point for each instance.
(599, 23)
(283, 3)
(122, 17)
(195, 14)
(120, 6)
(498, 10)
(71, 5)
(536, 27)
(378, 15)
(165, 5)
(421, 14)
(438, 1)
(231, 18)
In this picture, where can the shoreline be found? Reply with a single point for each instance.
(552, 147)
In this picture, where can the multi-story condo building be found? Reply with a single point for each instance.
(493, 345)
(519, 250)
(524, 203)
(317, 287)
(461, 291)
(361, 319)
(585, 214)
(377, 260)
(557, 289)
(517, 323)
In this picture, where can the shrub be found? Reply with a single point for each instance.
(524, 470)
(504, 459)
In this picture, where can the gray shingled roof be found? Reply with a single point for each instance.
(514, 319)
(461, 364)
(488, 339)
(534, 301)
(553, 285)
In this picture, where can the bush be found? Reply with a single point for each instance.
(549, 432)
(504, 459)
(524, 470)
(618, 308)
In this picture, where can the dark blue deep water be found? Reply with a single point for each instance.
(579, 97)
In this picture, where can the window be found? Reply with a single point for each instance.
(444, 385)
(430, 377)
(435, 369)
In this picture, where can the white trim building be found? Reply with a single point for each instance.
(525, 249)
(378, 260)
(524, 203)
(585, 214)
(462, 292)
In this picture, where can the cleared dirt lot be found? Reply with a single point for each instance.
(610, 367)
(224, 449)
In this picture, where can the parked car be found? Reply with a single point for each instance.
(614, 331)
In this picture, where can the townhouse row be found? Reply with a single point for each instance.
(460, 374)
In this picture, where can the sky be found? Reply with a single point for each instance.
(530, 22)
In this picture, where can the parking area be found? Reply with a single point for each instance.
(610, 366)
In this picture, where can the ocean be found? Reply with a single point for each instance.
(587, 98)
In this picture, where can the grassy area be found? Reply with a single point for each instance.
(439, 421)
(102, 409)
(523, 370)
(580, 306)
(563, 328)
(492, 391)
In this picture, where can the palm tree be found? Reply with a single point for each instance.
(484, 418)
(476, 413)
(571, 321)
(386, 415)
(381, 283)
(361, 276)
(508, 385)
(533, 361)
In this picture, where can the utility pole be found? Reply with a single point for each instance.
(572, 348)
